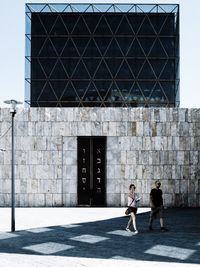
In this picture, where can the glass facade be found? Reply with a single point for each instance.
(102, 55)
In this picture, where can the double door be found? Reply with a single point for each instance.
(91, 171)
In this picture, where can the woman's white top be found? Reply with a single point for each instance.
(131, 200)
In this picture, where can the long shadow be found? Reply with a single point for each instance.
(108, 239)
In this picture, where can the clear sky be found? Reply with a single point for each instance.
(12, 47)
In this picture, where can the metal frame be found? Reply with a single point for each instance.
(83, 100)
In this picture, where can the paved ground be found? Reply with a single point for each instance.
(95, 237)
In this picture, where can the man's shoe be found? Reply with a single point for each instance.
(128, 230)
(163, 229)
(150, 228)
(135, 232)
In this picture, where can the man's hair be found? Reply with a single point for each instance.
(157, 182)
(131, 185)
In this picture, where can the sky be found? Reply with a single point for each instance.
(12, 47)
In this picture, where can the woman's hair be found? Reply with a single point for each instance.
(131, 185)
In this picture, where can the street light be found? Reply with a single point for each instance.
(13, 103)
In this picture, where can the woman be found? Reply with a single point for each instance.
(132, 209)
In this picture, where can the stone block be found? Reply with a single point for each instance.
(69, 157)
(113, 143)
(96, 128)
(48, 200)
(113, 200)
(132, 157)
(113, 157)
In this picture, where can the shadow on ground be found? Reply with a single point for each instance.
(107, 239)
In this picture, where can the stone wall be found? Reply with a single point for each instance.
(143, 144)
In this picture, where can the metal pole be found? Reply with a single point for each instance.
(13, 179)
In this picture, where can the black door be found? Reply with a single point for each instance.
(91, 171)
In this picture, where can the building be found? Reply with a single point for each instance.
(102, 55)
(102, 91)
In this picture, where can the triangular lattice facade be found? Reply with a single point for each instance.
(102, 55)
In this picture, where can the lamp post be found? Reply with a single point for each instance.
(13, 103)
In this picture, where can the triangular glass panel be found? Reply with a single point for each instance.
(124, 43)
(58, 87)
(157, 65)
(34, 7)
(70, 65)
(103, 7)
(111, 9)
(124, 27)
(113, 20)
(80, 87)
(169, 70)
(59, 27)
(157, 96)
(91, 21)
(69, 50)
(138, 9)
(157, 50)
(58, 8)
(59, 43)
(91, 65)
(114, 95)
(161, 9)
(80, 7)
(47, 93)
(146, 28)
(136, 95)
(91, 50)
(81, 43)
(125, 7)
(136, 65)
(48, 20)
(124, 72)
(37, 27)
(48, 50)
(102, 27)
(90, 8)
(102, 43)
(146, 72)
(36, 70)
(135, 50)
(114, 50)
(36, 45)
(125, 87)
(80, 72)
(102, 72)
(80, 28)
(70, 20)
(91, 94)
(169, 45)
(59, 72)
(38, 86)
(113, 65)
(147, 88)
(47, 64)
(136, 20)
(103, 87)
(168, 26)
(169, 90)
(68, 9)
(46, 9)
(69, 94)
(157, 21)
(146, 44)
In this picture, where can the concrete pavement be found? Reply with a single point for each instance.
(97, 237)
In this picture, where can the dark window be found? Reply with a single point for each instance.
(103, 59)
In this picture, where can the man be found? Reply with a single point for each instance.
(156, 203)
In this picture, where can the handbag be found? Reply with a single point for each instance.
(127, 211)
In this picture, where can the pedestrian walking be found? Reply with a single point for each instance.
(156, 204)
(132, 209)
